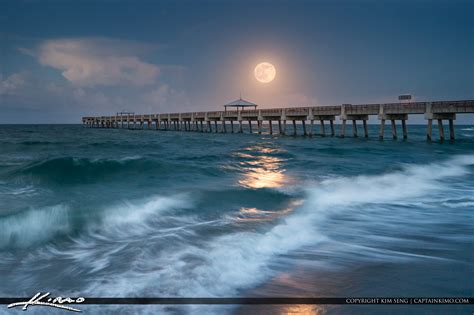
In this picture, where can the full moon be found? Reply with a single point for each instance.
(265, 72)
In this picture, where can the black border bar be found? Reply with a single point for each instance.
(264, 301)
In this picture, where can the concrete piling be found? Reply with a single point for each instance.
(451, 129)
(441, 129)
(343, 129)
(354, 128)
(394, 129)
(429, 130)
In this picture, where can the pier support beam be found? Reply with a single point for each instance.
(331, 122)
(393, 120)
(250, 126)
(343, 129)
(451, 129)
(215, 125)
(303, 122)
(232, 126)
(441, 129)
(394, 129)
(354, 128)
(382, 127)
(366, 129)
(241, 129)
(279, 127)
(259, 123)
(429, 115)
(350, 116)
(323, 131)
(404, 128)
(270, 126)
(429, 130)
(294, 128)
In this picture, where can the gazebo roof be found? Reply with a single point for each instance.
(240, 103)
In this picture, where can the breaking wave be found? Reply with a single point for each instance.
(34, 226)
(224, 265)
(163, 246)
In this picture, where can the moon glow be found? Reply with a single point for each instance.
(265, 72)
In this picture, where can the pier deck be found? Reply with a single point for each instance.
(223, 121)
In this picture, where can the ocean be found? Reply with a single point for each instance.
(145, 213)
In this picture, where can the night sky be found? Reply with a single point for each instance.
(61, 60)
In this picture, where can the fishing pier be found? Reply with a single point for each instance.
(310, 118)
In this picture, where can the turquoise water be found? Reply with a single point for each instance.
(106, 212)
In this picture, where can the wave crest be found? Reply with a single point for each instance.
(68, 170)
(34, 226)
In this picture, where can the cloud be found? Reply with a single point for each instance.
(166, 98)
(12, 83)
(103, 76)
(89, 62)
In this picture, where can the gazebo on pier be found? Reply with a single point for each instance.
(240, 103)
